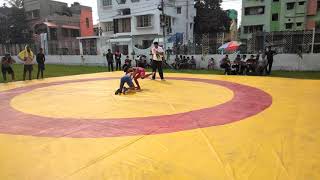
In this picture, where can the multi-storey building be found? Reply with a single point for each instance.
(61, 24)
(131, 24)
(279, 15)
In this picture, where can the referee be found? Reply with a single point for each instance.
(157, 57)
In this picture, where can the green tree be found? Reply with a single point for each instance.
(210, 17)
(16, 3)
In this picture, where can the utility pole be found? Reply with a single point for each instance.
(163, 23)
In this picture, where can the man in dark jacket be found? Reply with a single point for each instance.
(269, 54)
(109, 57)
(40, 60)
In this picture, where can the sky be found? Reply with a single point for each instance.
(227, 4)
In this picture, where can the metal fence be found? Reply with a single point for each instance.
(64, 47)
(284, 42)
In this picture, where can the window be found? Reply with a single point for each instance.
(299, 24)
(135, 1)
(75, 33)
(144, 21)
(178, 10)
(107, 2)
(122, 25)
(109, 26)
(301, 3)
(65, 32)
(121, 1)
(275, 17)
(36, 13)
(253, 29)
(289, 25)
(275, 0)
(254, 10)
(126, 11)
(318, 6)
(290, 6)
(53, 34)
(87, 22)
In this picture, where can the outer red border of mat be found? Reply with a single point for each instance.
(247, 101)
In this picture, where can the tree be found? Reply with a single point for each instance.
(19, 30)
(16, 3)
(210, 17)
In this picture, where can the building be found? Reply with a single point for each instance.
(133, 25)
(279, 15)
(58, 24)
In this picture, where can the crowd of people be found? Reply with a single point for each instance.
(259, 64)
(27, 57)
(184, 62)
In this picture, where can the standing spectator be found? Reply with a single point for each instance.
(6, 66)
(225, 64)
(117, 56)
(27, 57)
(243, 64)
(109, 57)
(40, 60)
(157, 57)
(269, 54)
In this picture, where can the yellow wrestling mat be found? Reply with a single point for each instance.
(187, 127)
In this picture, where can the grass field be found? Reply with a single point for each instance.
(63, 70)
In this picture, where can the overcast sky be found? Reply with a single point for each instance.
(227, 4)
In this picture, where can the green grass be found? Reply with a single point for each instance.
(64, 70)
(55, 71)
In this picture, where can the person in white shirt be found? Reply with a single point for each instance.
(157, 57)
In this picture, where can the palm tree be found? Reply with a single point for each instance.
(16, 3)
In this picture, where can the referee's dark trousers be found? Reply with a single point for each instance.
(157, 65)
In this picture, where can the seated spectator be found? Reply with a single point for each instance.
(226, 65)
(176, 62)
(251, 65)
(192, 62)
(128, 61)
(237, 64)
(184, 63)
(211, 64)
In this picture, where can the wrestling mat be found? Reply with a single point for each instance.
(187, 127)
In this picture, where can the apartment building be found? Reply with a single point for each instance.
(60, 24)
(279, 15)
(136, 24)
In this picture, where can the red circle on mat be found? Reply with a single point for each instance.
(247, 101)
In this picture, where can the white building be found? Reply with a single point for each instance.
(133, 25)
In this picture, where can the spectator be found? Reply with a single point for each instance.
(193, 64)
(117, 56)
(176, 62)
(225, 64)
(6, 66)
(27, 57)
(251, 65)
(40, 60)
(262, 65)
(237, 64)
(243, 64)
(211, 64)
(109, 57)
(269, 53)
(157, 57)
(128, 61)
